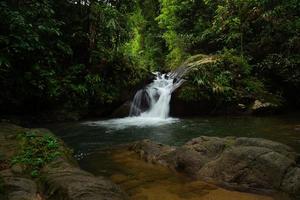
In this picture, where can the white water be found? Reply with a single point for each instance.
(139, 121)
(150, 106)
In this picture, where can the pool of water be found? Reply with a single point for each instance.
(146, 181)
(87, 137)
(93, 140)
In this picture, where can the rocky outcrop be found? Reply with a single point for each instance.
(247, 164)
(60, 179)
(122, 111)
(17, 187)
(260, 107)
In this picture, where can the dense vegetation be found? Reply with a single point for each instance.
(82, 54)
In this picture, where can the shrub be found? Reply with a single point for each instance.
(36, 151)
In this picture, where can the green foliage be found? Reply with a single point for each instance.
(228, 81)
(284, 68)
(62, 55)
(75, 55)
(170, 22)
(36, 151)
(255, 30)
(146, 46)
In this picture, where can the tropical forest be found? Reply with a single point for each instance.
(150, 100)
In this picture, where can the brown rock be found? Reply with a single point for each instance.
(248, 164)
(18, 188)
(62, 181)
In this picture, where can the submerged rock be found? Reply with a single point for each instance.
(246, 164)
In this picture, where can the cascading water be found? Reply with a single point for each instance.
(150, 105)
(154, 100)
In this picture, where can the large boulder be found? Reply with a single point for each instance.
(60, 179)
(246, 164)
(260, 107)
(18, 187)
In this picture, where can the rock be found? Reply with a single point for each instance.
(291, 182)
(247, 164)
(251, 168)
(242, 106)
(61, 179)
(179, 107)
(186, 160)
(18, 188)
(210, 147)
(297, 128)
(274, 146)
(122, 111)
(152, 152)
(259, 107)
(17, 169)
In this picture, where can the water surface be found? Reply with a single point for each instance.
(89, 136)
(93, 141)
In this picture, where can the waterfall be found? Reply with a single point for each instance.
(150, 105)
(154, 100)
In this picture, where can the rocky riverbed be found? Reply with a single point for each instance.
(203, 168)
(244, 164)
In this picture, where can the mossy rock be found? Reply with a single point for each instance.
(59, 178)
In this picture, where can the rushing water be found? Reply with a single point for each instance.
(153, 101)
(150, 106)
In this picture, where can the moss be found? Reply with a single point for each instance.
(36, 151)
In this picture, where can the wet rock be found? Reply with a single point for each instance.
(248, 167)
(123, 110)
(297, 128)
(274, 146)
(291, 182)
(259, 107)
(247, 164)
(210, 147)
(18, 188)
(152, 152)
(186, 160)
(61, 179)
(17, 169)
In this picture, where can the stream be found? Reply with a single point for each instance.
(93, 142)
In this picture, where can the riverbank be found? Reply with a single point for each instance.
(142, 180)
(35, 165)
(169, 173)
(243, 164)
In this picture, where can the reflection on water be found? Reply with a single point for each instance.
(144, 181)
(85, 138)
